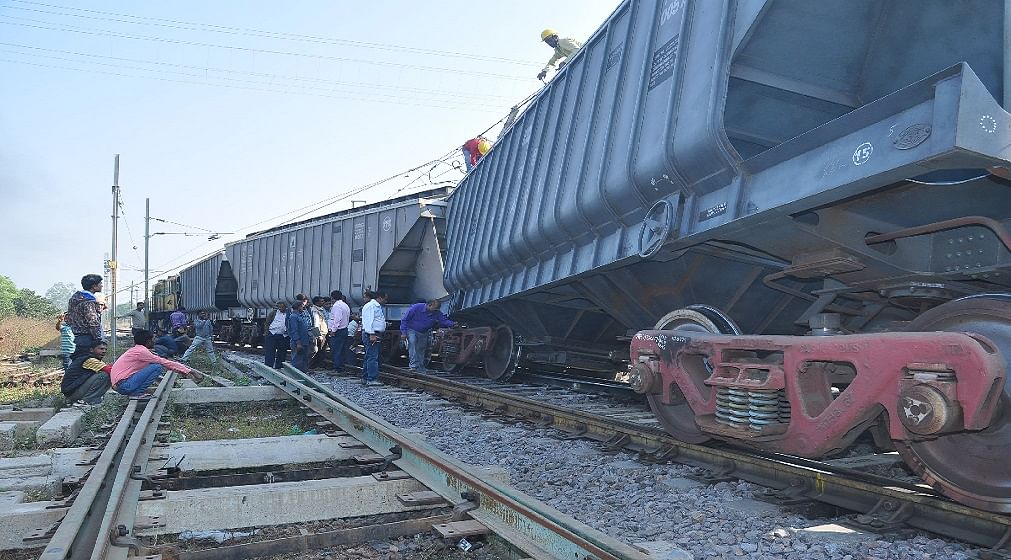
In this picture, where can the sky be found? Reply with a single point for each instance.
(234, 116)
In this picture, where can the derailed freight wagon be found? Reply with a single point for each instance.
(396, 245)
(715, 179)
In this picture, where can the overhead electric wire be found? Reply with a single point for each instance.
(129, 232)
(163, 220)
(469, 107)
(179, 24)
(272, 77)
(326, 202)
(105, 33)
(314, 207)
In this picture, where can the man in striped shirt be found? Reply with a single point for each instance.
(66, 341)
(87, 378)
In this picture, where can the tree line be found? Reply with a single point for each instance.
(23, 302)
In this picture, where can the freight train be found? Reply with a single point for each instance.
(783, 222)
(397, 245)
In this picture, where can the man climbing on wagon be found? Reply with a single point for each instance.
(473, 150)
(564, 48)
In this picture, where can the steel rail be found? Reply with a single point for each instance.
(886, 502)
(77, 532)
(535, 528)
(118, 523)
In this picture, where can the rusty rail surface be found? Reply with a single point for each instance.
(880, 502)
(528, 524)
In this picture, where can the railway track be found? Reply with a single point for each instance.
(533, 527)
(106, 520)
(102, 514)
(879, 503)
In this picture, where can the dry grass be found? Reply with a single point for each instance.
(36, 385)
(18, 334)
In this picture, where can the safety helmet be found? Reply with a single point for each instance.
(483, 146)
(547, 33)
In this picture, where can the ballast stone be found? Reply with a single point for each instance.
(663, 550)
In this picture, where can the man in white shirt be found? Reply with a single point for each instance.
(340, 314)
(373, 326)
(275, 340)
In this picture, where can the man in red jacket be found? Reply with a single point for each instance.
(471, 152)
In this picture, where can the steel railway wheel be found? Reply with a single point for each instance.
(500, 360)
(970, 467)
(677, 418)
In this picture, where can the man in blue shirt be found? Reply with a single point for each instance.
(298, 335)
(416, 326)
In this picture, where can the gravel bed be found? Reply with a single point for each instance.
(633, 501)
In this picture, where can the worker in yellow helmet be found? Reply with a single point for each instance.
(564, 48)
(473, 150)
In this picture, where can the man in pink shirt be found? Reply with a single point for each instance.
(138, 367)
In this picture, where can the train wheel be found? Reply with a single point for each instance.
(677, 418)
(970, 467)
(391, 351)
(500, 360)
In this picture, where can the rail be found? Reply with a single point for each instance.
(883, 503)
(535, 528)
(86, 530)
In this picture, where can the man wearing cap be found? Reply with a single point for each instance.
(564, 48)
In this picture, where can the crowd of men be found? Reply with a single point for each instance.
(307, 329)
(312, 325)
(87, 377)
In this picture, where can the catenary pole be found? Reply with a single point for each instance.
(113, 264)
(147, 242)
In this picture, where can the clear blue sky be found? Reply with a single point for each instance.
(229, 113)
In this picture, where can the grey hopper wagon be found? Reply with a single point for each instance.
(395, 245)
(209, 285)
(748, 156)
(753, 167)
